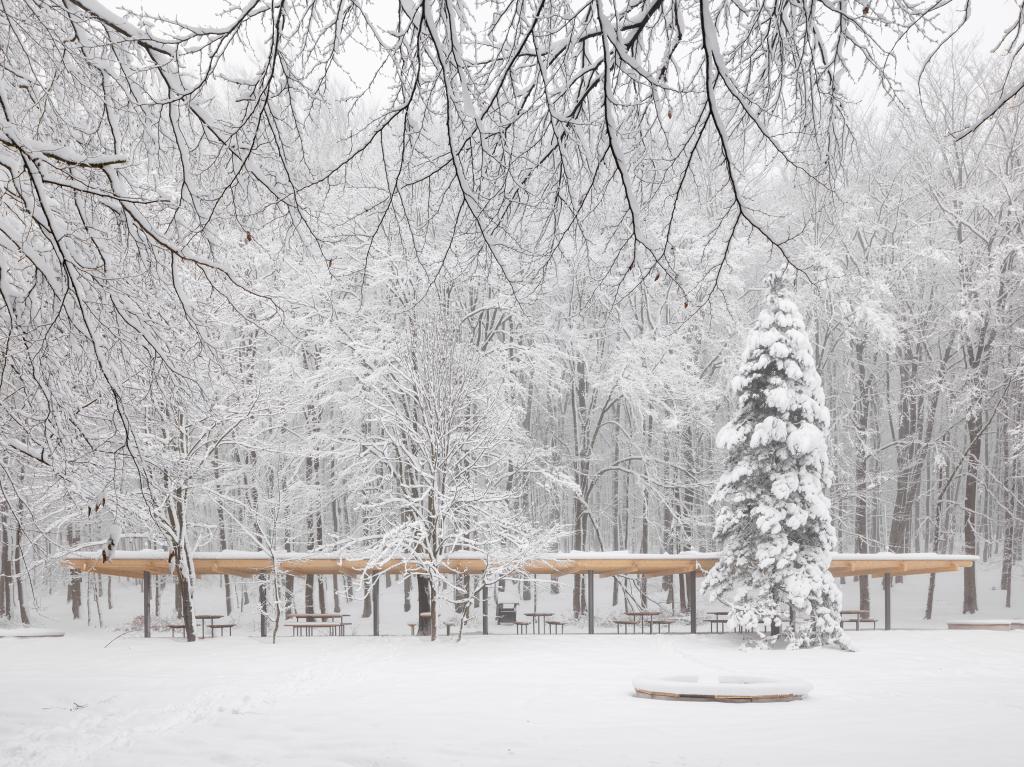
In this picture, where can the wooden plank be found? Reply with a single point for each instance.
(126, 566)
(980, 626)
(655, 695)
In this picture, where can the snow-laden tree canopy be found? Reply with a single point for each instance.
(774, 521)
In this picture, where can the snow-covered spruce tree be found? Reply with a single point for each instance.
(773, 521)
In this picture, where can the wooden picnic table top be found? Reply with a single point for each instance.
(854, 612)
(718, 612)
(643, 613)
(538, 615)
(321, 615)
(209, 616)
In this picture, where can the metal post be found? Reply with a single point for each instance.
(486, 599)
(147, 616)
(887, 589)
(691, 596)
(590, 601)
(375, 598)
(263, 605)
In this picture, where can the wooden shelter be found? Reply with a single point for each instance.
(688, 565)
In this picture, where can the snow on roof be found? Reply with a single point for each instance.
(884, 556)
(892, 556)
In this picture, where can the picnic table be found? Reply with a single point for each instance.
(717, 620)
(856, 617)
(537, 619)
(320, 616)
(303, 624)
(644, 617)
(203, 618)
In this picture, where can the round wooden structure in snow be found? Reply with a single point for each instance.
(29, 633)
(986, 625)
(723, 689)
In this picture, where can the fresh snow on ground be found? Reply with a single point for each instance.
(906, 697)
(909, 697)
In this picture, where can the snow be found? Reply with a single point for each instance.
(918, 697)
(721, 684)
(500, 700)
(549, 556)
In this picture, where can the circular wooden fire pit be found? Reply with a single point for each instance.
(727, 688)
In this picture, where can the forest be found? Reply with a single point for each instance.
(483, 284)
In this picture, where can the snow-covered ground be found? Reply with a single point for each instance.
(907, 697)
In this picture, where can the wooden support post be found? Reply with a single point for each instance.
(147, 615)
(486, 599)
(683, 596)
(691, 596)
(590, 601)
(887, 589)
(375, 598)
(263, 605)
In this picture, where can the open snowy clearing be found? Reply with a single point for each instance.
(906, 697)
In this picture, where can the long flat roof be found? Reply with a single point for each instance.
(132, 564)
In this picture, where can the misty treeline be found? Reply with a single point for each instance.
(251, 310)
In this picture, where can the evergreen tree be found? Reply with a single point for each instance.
(773, 522)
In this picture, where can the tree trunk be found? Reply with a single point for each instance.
(223, 532)
(18, 575)
(5, 572)
(974, 433)
(860, 545)
(75, 583)
(367, 598)
(907, 452)
(424, 603)
(183, 569)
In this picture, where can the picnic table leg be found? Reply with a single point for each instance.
(375, 600)
(590, 602)
(887, 589)
(147, 617)
(484, 606)
(263, 605)
(691, 596)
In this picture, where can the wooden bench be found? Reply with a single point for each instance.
(857, 617)
(522, 627)
(622, 624)
(666, 622)
(858, 621)
(555, 627)
(175, 628)
(307, 628)
(717, 624)
(448, 626)
(221, 627)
